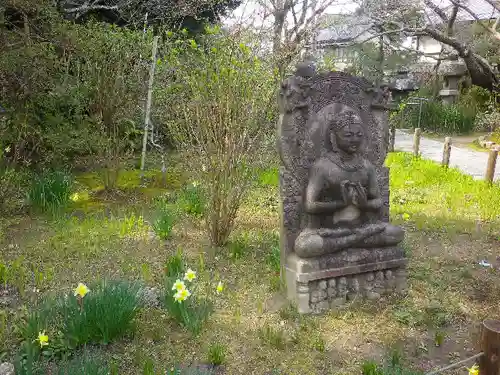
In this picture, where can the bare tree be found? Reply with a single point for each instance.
(438, 22)
(291, 24)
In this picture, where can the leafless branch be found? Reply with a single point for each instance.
(451, 20)
(436, 10)
(90, 7)
(416, 52)
(493, 29)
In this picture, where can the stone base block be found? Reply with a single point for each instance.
(329, 282)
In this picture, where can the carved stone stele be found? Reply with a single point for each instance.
(336, 239)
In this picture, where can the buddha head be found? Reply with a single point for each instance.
(346, 131)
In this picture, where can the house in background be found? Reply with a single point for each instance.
(463, 26)
(336, 38)
(335, 41)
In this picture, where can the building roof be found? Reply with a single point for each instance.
(343, 28)
(481, 8)
(346, 27)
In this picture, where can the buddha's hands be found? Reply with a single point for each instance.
(360, 199)
(346, 192)
(353, 193)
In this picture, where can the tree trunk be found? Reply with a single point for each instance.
(480, 71)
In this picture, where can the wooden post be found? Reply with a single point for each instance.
(416, 141)
(148, 102)
(490, 169)
(446, 152)
(489, 364)
(392, 137)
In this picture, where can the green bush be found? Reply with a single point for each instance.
(221, 97)
(440, 118)
(50, 190)
(61, 104)
(191, 311)
(476, 98)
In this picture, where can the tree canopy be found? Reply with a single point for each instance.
(192, 15)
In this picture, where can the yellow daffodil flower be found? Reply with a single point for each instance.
(474, 370)
(220, 287)
(81, 290)
(182, 295)
(190, 275)
(178, 285)
(43, 339)
(406, 216)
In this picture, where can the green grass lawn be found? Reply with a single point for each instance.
(437, 198)
(451, 220)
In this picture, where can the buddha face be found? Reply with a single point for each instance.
(350, 136)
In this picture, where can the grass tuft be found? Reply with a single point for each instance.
(164, 223)
(50, 191)
(394, 366)
(274, 337)
(216, 354)
(107, 312)
(273, 259)
(192, 200)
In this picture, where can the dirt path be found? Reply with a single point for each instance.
(468, 161)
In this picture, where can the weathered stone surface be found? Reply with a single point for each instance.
(333, 140)
(342, 287)
(322, 294)
(372, 296)
(332, 292)
(323, 305)
(7, 368)
(315, 296)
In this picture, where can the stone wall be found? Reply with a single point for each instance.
(333, 293)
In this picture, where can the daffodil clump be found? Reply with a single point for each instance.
(84, 316)
(186, 297)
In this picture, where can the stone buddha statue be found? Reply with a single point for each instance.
(342, 197)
